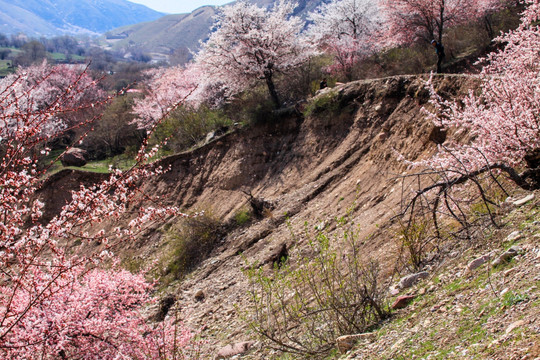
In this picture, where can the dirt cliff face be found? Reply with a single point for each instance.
(341, 156)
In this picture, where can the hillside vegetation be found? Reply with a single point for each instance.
(261, 202)
(340, 160)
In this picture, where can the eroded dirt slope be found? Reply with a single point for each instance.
(311, 169)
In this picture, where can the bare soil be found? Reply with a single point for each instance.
(342, 157)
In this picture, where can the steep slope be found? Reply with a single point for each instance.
(53, 17)
(314, 168)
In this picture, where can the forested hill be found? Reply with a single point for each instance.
(54, 17)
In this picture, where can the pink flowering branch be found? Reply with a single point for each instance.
(53, 303)
(499, 125)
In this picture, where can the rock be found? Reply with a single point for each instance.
(382, 136)
(506, 256)
(410, 280)
(347, 342)
(514, 325)
(393, 291)
(209, 137)
(476, 263)
(236, 349)
(524, 200)
(402, 301)
(513, 236)
(199, 296)
(74, 157)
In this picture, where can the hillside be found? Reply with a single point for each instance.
(181, 31)
(166, 34)
(340, 158)
(55, 17)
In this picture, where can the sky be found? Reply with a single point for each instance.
(178, 6)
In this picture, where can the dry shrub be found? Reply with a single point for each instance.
(192, 241)
(302, 309)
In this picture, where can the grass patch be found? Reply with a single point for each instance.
(324, 103)
(512, 298)
(6, 68)
(121, 162)
(242, 217)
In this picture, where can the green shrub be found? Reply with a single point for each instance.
(192, 241)
(242, 217)
(415, 241)
(512, 298)
(302, 309)
(186, 127)
(325, 103)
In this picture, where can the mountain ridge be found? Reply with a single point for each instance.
(58, 17)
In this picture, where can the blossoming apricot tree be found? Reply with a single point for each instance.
(54, 303)
(346, 29)
(411, 20)
(251, 43)
(502, 120)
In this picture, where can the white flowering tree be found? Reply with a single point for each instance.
(252, 44)
(346, 29)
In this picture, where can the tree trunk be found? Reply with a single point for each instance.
(272, 88)
(489, 27)
(441, 22)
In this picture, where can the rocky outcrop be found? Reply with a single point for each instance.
(74, 157)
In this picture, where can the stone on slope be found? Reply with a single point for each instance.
(524, 200)
(506, 256)
(410, 280)
(347, 342)
(402, 301)
(476, 263)
(236, 349)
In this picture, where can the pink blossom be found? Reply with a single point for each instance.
(252, 44)
(503, 119)
(54, 304)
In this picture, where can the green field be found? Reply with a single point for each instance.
(5, 68)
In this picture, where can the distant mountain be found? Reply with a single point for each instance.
(167, 34)
(303, 9)
(54, 17)
(178, 34)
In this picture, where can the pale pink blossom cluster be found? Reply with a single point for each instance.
(347, 29)
(251, 44)
(85, 314)
(41, 91)
(166, 89)
(54, 304)
(504, 119)
(411, 20)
